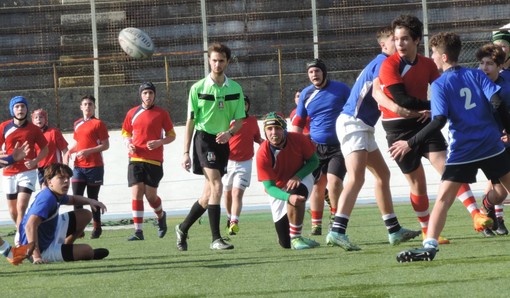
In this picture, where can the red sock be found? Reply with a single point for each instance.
(467, 198)
(317, 217)
(137, 210)
(421, 208)
(158, 207)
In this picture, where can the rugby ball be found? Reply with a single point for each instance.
(136, 43)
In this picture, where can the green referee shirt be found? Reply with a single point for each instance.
(213, 107)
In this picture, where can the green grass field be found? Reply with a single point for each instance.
(471, 266)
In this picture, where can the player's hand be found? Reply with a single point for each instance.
(504, 137)
(399, 149)
(131, 148)
(424, 116)
(151, 145)
(186, 162)
(293, 182)
(31, 164)
(20, 152)
(296, 200)
(95, 205)
(223, 137)
(82, 154)
(406, 113)
(31, 248)
(38, 261)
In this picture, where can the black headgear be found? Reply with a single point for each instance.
(319, 64)
(146, 85)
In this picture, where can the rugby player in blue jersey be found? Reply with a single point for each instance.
(323, 101)
(466, 98)
(355, 130)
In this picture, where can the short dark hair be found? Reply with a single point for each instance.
(448, 43)
(494, 52)
(56, 169)
(219, 48)
(89, 97)
(412, 23)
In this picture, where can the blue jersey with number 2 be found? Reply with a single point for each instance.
(462, 95)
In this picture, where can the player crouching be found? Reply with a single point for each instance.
(49, 236)
(285, 162)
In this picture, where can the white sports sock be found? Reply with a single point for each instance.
(4, 248)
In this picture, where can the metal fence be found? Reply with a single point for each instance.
(47, 44)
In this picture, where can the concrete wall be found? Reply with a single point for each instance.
(115, 101)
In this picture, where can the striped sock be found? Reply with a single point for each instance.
(391, 223)
(295, 231)
(498, 209)
(421, 208)
(5, 248)
(158, 207)
(317, 217)
(340, 223)
(137, 210)
(465, 195)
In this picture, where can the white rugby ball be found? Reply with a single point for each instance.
(136, 43)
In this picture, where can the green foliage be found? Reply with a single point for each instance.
(471, 266)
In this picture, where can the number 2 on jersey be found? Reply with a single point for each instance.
(465, 92)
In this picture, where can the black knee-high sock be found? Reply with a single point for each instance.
(96, 216)
(214, 212)
(194, 214)
(93, 193)
(78, 189)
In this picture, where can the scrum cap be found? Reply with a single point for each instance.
(274, 119)
(146, 85)
(501, 36)
(319, 64)
(15, 100)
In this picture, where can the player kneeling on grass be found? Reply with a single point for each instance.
(285, 162)
(48, 235)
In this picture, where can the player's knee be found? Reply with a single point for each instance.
(83, 215)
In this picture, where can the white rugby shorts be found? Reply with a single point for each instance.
(238, 175)
(355, 135)
(25, 179)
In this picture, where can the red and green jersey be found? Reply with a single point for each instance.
(56, 143)
(88, 133)
(241, 144)
(213, 107)
(12, 134)
(143, 125)
(282, 164)
(416, 77)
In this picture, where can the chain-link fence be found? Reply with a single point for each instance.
(46, 47)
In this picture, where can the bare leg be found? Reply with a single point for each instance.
(445, 198)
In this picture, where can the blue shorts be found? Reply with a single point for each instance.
(90, 176)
